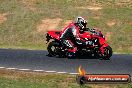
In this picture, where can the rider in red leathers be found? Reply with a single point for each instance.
(70, 33)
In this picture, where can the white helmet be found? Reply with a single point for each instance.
(81, 22)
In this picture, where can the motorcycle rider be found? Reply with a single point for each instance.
(71, 33)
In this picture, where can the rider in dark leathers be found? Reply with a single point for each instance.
(71, 33)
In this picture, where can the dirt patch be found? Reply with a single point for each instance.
(48, 24)
(108, 35)
(111, 23)
(30, 4)
(122, 3)
(130, 48)
(92, 8)
(3, 18)
(130, 23)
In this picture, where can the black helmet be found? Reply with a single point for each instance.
(81, 22)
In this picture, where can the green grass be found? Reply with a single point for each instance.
(17, 79)
(20, 29)
(6, 83)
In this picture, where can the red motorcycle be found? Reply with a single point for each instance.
(99, 48)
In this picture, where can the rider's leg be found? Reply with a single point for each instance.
(71, 48)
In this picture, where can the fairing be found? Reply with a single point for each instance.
(54, 34)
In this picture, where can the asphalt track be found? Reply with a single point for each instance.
(37, 60)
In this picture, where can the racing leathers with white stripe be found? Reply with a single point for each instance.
(69, 34)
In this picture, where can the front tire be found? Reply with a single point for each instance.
(107, 53)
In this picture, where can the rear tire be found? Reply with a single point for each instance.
(51, 45)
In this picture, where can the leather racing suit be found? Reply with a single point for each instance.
(71, 32)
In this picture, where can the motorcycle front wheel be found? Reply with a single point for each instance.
(107, 53)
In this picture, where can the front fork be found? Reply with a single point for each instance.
(102, 48)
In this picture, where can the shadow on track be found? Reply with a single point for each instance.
(77, 57)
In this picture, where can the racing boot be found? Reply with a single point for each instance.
(71, 53)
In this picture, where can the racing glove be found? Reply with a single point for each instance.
(89, 43)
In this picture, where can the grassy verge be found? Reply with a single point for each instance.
(17, 79)
(23, 17)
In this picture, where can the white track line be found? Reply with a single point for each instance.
(61, 72)
(38, 70)
(24, 69)
(11, 68)
(2, 67)
(50, 71)
(73, 73)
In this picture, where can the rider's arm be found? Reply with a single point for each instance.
(76, 36)
(90, 30)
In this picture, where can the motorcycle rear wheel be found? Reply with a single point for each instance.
(53, 48)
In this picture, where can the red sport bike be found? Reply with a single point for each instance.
(100, 49)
